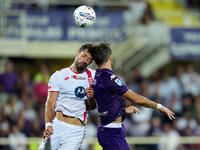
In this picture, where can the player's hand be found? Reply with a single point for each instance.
(48, 131)
(168, 112)
(90, 92)
(132, 109)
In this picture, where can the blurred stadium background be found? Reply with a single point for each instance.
(156, 51)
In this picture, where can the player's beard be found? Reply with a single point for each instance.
(80, 66)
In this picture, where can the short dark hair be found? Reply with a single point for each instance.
(85, 46)
(101, 53)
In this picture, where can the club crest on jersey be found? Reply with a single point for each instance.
(118, 82)
(78, 77)
(80, 92)
(90, 80)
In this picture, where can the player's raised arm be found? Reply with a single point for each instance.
(90, 98)
(140, 100)
(49, 113)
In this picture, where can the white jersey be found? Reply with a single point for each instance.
(71, 97)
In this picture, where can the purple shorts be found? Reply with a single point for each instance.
(112, 138)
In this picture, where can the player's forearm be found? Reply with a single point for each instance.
(91, 103)
(139, 100)
(50, 106)
(49, 113)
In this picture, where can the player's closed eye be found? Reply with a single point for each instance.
(89, 60)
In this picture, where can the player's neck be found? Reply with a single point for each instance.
(106, 66)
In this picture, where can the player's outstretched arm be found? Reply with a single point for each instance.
(90, 98)
(168, 112)
(49, 113)
(140, 100)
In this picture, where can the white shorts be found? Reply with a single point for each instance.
(66, 136)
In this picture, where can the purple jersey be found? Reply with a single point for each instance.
(108, 90)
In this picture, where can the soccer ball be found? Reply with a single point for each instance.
(84, 16)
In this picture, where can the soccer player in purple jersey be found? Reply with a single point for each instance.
(109, 94)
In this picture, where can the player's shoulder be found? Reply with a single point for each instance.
(106, 74)
(91, 70)
(60, 72)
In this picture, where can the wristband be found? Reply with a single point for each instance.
(48, 124)
(159, 106)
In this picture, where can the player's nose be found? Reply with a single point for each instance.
(85, 60)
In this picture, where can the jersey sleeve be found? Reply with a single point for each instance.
(53, 84)
(113, 83)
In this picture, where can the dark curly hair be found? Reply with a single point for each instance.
(85, 46)
(100, 53)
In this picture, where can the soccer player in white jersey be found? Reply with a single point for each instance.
(69, 97)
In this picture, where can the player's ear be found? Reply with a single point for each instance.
(77, 53)
(110, 58)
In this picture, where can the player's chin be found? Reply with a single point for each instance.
(84, 65)
(81, 68)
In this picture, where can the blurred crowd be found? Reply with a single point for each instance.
(22, 104)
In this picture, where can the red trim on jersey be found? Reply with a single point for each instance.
(90, 79)
(85, 113)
